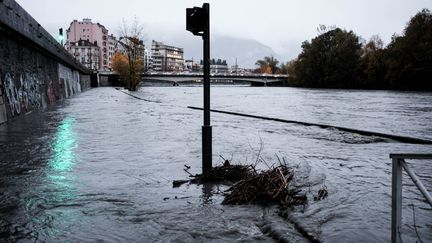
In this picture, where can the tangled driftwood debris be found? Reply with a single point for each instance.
(226, 173)
(275, 186)
(321, 194)
(272, 186)
(268, 187)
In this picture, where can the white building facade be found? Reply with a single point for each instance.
(165, 58)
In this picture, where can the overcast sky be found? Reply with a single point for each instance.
(281, 24)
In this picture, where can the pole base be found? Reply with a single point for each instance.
(206, 148)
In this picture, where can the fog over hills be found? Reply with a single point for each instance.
(247, 51)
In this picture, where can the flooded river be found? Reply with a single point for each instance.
(100, 166)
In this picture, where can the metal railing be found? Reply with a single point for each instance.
(399, 163)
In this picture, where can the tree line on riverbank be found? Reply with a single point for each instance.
(337, 58)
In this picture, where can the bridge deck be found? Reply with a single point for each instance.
(198, 78)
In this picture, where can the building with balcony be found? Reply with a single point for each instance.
(86, 53)
(147, 60)
(96, 34)
(112, 48)
(165, 58)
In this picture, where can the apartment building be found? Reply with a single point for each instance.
(96, 34)
(85, 52)
(166, 58)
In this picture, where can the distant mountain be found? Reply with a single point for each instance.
(247, 51)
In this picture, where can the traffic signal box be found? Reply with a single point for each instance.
(197, 20)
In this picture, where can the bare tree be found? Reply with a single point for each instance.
(131, 45)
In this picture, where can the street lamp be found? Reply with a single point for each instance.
(61, 36)
(198, 22)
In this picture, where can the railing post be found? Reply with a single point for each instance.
(396, 200)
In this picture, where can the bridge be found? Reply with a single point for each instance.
(253, 79)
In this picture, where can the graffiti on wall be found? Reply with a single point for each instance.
(28, 92)
(12, 95)
(3, 116)
(70, 80)
(25, 92)
(51, 93)
(22, 94)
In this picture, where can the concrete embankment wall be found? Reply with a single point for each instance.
(35, 71)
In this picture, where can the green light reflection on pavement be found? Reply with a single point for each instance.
(63, 161)
(64, 145)
(60, 190)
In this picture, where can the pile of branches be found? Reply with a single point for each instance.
(226, 173)
(267, 187)
(272, 186)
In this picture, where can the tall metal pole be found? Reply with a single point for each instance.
(206, 128)
(396, 200)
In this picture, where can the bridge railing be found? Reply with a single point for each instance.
(398, 162)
